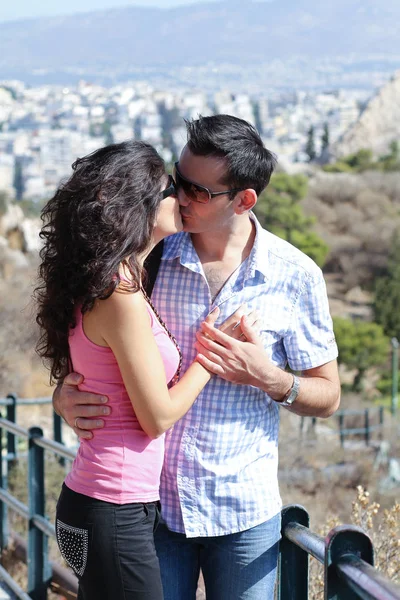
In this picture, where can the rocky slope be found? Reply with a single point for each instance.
(378, 125)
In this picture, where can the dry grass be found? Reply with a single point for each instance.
(383, 527)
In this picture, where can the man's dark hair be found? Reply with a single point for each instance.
(249, 163)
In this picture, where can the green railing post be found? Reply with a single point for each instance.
(38, 567)
(366, 425)
(57, 428)
(3, 505)
(57, 434)
(342, 540)
(11, 416)
(395, 374)
(341, 427)
(381, 418)
(293, 560)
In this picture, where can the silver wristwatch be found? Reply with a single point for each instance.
(293, 392)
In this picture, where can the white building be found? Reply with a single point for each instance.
(7, 174)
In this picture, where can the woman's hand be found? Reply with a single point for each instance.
(235, 353)
(232, 325)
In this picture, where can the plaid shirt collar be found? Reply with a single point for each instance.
(180, 246)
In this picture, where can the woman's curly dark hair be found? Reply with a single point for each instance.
(102, 216)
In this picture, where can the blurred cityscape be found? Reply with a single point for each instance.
(44, 129)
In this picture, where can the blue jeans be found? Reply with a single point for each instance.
(239, 566)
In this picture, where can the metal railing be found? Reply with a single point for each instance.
(367, 415)
(347, 555)
(11, 401)
(40, 569)
(368, 426)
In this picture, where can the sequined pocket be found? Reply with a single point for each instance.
(73, 543)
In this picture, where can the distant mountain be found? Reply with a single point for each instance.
(236, 32)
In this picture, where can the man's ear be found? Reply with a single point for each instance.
(245, 200)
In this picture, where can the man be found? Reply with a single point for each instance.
(219, 489)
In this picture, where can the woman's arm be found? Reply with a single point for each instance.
(124, 324)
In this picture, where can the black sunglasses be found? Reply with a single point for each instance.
(196, 192)
(170, 190)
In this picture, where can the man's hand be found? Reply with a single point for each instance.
(238, 358)
(79, 409)
(247, 363)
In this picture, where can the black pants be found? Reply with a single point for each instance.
(110, 547)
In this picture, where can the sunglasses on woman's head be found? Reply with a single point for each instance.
(196, 192)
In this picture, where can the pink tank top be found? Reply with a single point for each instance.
(120, 464)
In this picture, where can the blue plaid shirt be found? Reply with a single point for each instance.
(221, 458)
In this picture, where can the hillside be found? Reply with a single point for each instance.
(222, 32)
(378, 125)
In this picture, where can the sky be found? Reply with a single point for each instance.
(24, 9)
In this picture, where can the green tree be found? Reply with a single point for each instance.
(361, 345)
(361, 160)
(325, 138)
(257, 118)
(357, 162)
(310, 145)
(387, 293)
(338, 167)
(279, 210)
(3, 202)
(107, 133)
(19, 184)
(391, 161)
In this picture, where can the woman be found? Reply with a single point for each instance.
(97, 320)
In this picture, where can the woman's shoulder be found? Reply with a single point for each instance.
(123, 306)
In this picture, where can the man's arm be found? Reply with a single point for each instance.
(80, 410)
(247, 363)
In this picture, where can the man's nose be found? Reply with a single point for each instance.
(182, 198)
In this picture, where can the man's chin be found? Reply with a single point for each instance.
(185, 222)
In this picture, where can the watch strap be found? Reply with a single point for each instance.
(293, 392)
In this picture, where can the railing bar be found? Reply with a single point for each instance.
(55, 447)
(366, 581)
(13, 427)
(41, 400)
(44, 525)
(9, 581)
(360, 429)
(13, 503)
(307, 540)
(33, 401)
(355, 411)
